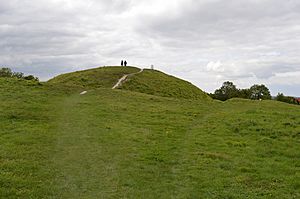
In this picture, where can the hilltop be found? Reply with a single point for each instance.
(148, 81)
(102, 77)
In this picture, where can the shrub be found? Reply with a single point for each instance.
(7, 72)
(31, 77)
(287, 99)
(18, 75)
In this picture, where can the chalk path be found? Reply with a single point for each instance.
(122, 79)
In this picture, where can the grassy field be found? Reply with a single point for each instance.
(55, 143)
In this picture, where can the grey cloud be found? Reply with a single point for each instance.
(234, 32)
(220, 15)
(254, 40)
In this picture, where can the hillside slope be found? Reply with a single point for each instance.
(160, 84)
(149, 81)
(102, 77)
(108, 144)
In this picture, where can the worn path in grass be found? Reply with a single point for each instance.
(116, 144)
(122, 79)
(111, 147)
(84, 167)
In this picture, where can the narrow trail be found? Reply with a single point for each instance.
(84, 169)
(122, 79)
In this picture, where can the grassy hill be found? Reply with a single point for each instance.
(157, 83)
(149, 81)
(103, 77)
(55, 143)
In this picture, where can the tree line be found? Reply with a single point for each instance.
(287, 99)
(256, 92)
(7, 72)
(228, 90)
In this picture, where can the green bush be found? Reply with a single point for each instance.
(18, 75)
(31, 77)
(7, 72)
(287, 99)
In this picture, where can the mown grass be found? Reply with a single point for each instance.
(55, 143)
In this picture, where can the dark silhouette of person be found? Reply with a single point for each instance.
(125, 63)
(122, 63)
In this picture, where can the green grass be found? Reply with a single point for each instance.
(149, 81)
(55, 143)
(103, 77)
(26, 115)
(157, 83)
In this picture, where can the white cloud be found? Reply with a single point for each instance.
(215, 66)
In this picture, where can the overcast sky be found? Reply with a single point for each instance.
(205, 42)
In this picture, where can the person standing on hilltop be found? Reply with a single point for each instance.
(125, 63)
(122, 63)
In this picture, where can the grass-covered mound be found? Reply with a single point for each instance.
(149, 81)
(157, 83)
(55, 143)
(108, 144)
(103, 77)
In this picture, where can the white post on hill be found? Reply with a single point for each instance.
(152, 67)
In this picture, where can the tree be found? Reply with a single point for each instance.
(227, 91)
(31, 77)
(280, 97)
(18, 75)
(244, 93)
(5, 72)
(259, 92)
(287, 99)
